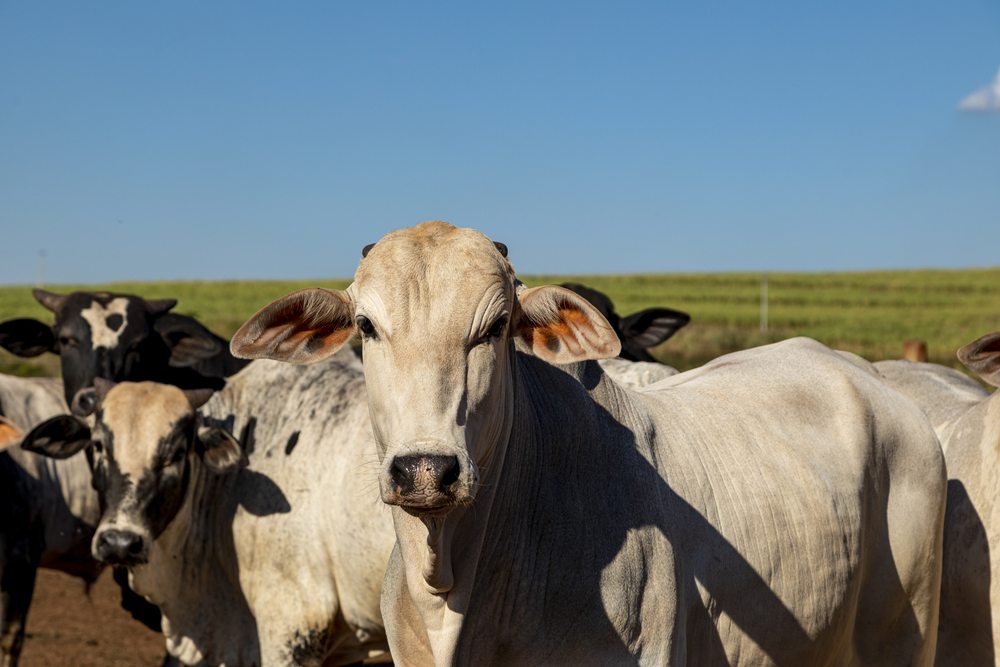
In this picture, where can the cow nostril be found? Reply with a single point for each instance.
(450, 475)
(135, 548)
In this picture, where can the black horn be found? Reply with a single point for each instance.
(501, 247)
(366, 250)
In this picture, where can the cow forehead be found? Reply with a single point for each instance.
(432, 265)
(107, 322)
(140, 415)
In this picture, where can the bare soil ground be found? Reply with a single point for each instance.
(69, 628)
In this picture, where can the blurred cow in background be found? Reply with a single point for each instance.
(122, 337)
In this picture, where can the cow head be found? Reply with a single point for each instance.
(141, 448)
(438, 310)
(982, 357)
(640, 330)
(110, 336)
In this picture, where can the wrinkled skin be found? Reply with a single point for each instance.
(544, 515)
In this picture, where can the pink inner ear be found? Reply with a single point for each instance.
(9, 434)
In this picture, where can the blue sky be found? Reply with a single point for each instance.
(195, 140)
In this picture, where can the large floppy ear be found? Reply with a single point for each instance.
(26, 337)
(562, 327)
(301, 328)
(58, 438)
(220, 451)
(982, 357)
(188, 339)
(652, 326)
(50, 300)
(9, 433)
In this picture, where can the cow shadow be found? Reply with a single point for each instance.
(586, 529)
(965, 635)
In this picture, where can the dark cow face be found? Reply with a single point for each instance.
(638, 331)
(110, 336)
(141, 449)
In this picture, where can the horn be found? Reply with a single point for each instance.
(366, 250)
(50, 300)
(198, 397)
(501, 247)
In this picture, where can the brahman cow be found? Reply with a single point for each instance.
(778, 506)
(121, 337)
(967, 420)
(48, 512)
(640, 330)
(268, 549)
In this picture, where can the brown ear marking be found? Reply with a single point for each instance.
(501, 248)
(9, 434)
(366, 250)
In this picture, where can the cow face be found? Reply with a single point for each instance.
(437, 309)
(110, 336)
(141, 448)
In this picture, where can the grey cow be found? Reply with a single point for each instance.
(48, 510)
(779, 506)
(263, 549)
(967, 420)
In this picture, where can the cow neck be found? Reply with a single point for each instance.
(440, 571)
(192, 576)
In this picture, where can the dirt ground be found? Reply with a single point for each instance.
(69, 628)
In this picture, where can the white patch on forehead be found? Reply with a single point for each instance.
(97, 317)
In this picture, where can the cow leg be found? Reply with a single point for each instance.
(17, 582)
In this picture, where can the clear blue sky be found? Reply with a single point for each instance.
(273, 140)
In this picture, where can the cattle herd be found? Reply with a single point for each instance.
(497, 475)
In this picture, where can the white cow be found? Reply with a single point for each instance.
(779, 506)
(967, 419)
(266, 550)
(48, 510)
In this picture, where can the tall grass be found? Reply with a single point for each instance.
(870, 313)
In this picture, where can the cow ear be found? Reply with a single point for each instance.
(50, 300)
(157, 307)
(562, 327)
(26, 337)
(188, 339)
(58, 438)
(220, 451)
(652, 326)
(982, 357)
(9, 433)
(301, 328)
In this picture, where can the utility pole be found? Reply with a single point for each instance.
(41, 269)
(763, 304)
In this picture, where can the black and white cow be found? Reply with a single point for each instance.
(253, 520)
(639, 331)
(122, 337)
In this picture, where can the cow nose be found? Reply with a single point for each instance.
(434, 474)
(120, 546)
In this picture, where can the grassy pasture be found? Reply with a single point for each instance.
(870, 313)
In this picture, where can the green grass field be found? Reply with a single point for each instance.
(869, 313)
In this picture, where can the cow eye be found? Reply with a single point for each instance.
(178, 456)
(97, 445)
(496, 330)
(365, 326)
(67, 341)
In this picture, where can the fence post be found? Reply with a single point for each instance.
(763, 304)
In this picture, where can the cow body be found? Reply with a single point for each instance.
(967, 420)
(280, 562)
(48, 510)
(779, 506)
